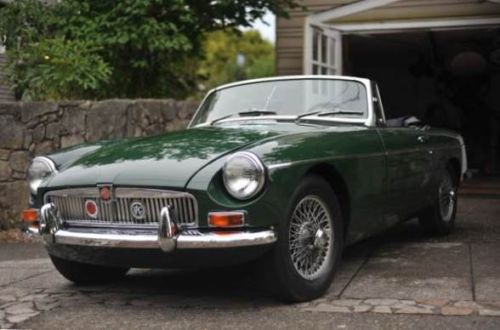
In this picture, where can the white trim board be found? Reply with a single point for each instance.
(349, 9)
(385, 26)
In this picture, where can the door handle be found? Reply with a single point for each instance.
(422, 138)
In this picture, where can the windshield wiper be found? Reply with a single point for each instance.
(307, 114)
(221, 118)
(256, 112)
(249, 112)
(340, 112)
(328, 113)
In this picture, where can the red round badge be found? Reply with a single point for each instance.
(91, 208)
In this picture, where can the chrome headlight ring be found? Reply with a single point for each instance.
(244, 175)
(40, 168)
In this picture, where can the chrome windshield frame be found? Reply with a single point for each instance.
(367, 121)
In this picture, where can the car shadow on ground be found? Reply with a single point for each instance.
(241, 282)
(476, 223)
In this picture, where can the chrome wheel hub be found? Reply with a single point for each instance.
(320, 239)
(447, 198)
(311, 237)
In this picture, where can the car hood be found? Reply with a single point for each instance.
(168, 160)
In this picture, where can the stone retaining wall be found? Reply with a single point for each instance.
(29, 129)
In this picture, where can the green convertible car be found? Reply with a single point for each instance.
(284, 172)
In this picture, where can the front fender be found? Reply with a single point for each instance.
(268, 208)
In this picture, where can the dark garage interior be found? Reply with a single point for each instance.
(447, 78)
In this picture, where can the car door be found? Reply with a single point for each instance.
(407, 164)
(430, 144)
(406, 169)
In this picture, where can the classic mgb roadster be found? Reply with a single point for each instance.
(283, 171)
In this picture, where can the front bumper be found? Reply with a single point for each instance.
(165, 238)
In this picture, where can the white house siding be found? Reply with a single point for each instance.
(290, 35)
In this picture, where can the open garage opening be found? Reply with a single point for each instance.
(447, 78)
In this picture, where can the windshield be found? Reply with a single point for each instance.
(347, 98)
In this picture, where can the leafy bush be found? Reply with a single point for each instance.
(57, 69)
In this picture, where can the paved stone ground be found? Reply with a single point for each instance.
(397, 279)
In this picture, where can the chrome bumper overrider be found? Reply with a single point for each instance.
(52, 231)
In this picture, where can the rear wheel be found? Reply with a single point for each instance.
(439, 219)
(302, 264)
(82, 273)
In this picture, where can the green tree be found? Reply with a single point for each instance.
(55, 69)
(144, 48)
(221, 49)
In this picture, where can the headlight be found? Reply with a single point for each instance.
(40, 168)
(243, 175)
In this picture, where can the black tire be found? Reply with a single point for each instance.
(84, 274)
(435, 221)
(278, 271)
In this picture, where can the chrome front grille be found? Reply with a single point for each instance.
(116, 211)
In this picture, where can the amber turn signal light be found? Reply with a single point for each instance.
(30, 215)
(226, 219)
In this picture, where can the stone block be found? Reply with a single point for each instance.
(459, 311)
(327, 308)
(28, 138)
(18, 175)
(154, 129)
(489, 312)
(21, 308)
(21, 317)
(361, 308)
(52, 130)
(73, 120)
(4, 154)
(11, 133)
(382, 309)
(107, 120)
(33, 110)
(5, 170)
(13, 199)
(10, 108)
(175, 125)
(71, 140)
(43, 148)
(38, 133)
(20, 160)
(346, 302)
(415, 310)
(187, 109)
(381, 302)
(150, 116)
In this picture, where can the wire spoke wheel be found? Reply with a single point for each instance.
(447, 197)
(311, 237)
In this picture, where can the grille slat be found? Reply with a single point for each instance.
(156, 202)
(176, 208)
(121, 213)
(71, 203)
(70, 206)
